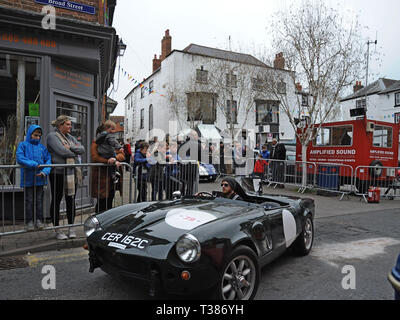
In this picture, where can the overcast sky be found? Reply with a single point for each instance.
(142, 25)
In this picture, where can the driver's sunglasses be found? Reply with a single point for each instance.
(224, 185)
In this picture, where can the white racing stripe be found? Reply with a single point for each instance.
(188, 219)
(289, 227)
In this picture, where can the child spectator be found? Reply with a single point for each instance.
(31, 154)
(108, 146)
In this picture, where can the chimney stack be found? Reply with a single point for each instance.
(166, 45)
(156, 63)
(279, 62)
(358, 86)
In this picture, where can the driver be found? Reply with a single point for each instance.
(229, 185)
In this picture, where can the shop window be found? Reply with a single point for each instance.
(12, 131)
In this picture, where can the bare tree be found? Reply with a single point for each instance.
(230, 83)
(191, 101)
(322, 50)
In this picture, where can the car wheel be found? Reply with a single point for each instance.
(305, 240)
(240, 276)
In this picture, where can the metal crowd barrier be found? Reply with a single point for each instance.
(61, 211)
(387, 179)
(325, 177)
(158, 181)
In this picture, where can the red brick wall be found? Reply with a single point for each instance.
(31, 5)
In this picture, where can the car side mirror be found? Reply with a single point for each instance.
(176, 195)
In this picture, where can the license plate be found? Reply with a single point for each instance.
(121, 241)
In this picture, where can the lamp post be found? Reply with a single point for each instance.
(121, 48)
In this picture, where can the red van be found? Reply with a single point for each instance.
(357, 143)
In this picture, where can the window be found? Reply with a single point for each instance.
(151, 119)
(142, 119)
(151, 86)
(201, 107)
(397, 99)
(304, 100)
(361, 103)
(281, 88)
(256, 84)
(397, 117)
(267, 112)
(141, 92)
(334, 136)
(383, 137)
(201, 75)
(231, 80)
(231, 112)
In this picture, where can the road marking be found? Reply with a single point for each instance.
(352, 250)
(52, 258)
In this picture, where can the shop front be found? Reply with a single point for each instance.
(47, 73)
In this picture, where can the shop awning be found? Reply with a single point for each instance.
(209, 132)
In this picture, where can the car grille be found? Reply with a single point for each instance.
(130, 264)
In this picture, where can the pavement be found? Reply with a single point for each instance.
(326, 206)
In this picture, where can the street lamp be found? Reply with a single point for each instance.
(121, 48)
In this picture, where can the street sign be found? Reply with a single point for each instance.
(69, 5)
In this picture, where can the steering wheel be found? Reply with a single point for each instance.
(205, 194)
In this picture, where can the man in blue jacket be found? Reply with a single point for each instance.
(31, 154)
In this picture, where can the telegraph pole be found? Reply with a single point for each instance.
(366, 78)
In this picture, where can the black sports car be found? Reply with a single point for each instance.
(192, 244)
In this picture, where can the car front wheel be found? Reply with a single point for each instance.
(305, 240)
(240, 276)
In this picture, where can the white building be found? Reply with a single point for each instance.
(381, 98)
(199, 85)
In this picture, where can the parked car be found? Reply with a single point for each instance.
(207, 172)
(394, 279)
(193, 244)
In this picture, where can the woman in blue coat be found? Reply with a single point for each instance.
(31, 154)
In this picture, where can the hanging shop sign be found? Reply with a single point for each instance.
(69, 5)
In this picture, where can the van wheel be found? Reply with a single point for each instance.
(378, 170)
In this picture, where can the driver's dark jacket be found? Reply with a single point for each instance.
(234, 196)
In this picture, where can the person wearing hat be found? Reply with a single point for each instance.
(229, 188)
(278, 155)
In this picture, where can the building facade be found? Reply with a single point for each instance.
(53, 61)
(206, 86)
(48, 72)
(380, 98)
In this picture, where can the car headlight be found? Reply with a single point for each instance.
(188, 248)
(91, 225)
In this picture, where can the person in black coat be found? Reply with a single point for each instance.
(278, 156)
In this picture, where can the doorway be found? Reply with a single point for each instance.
(80, 113)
